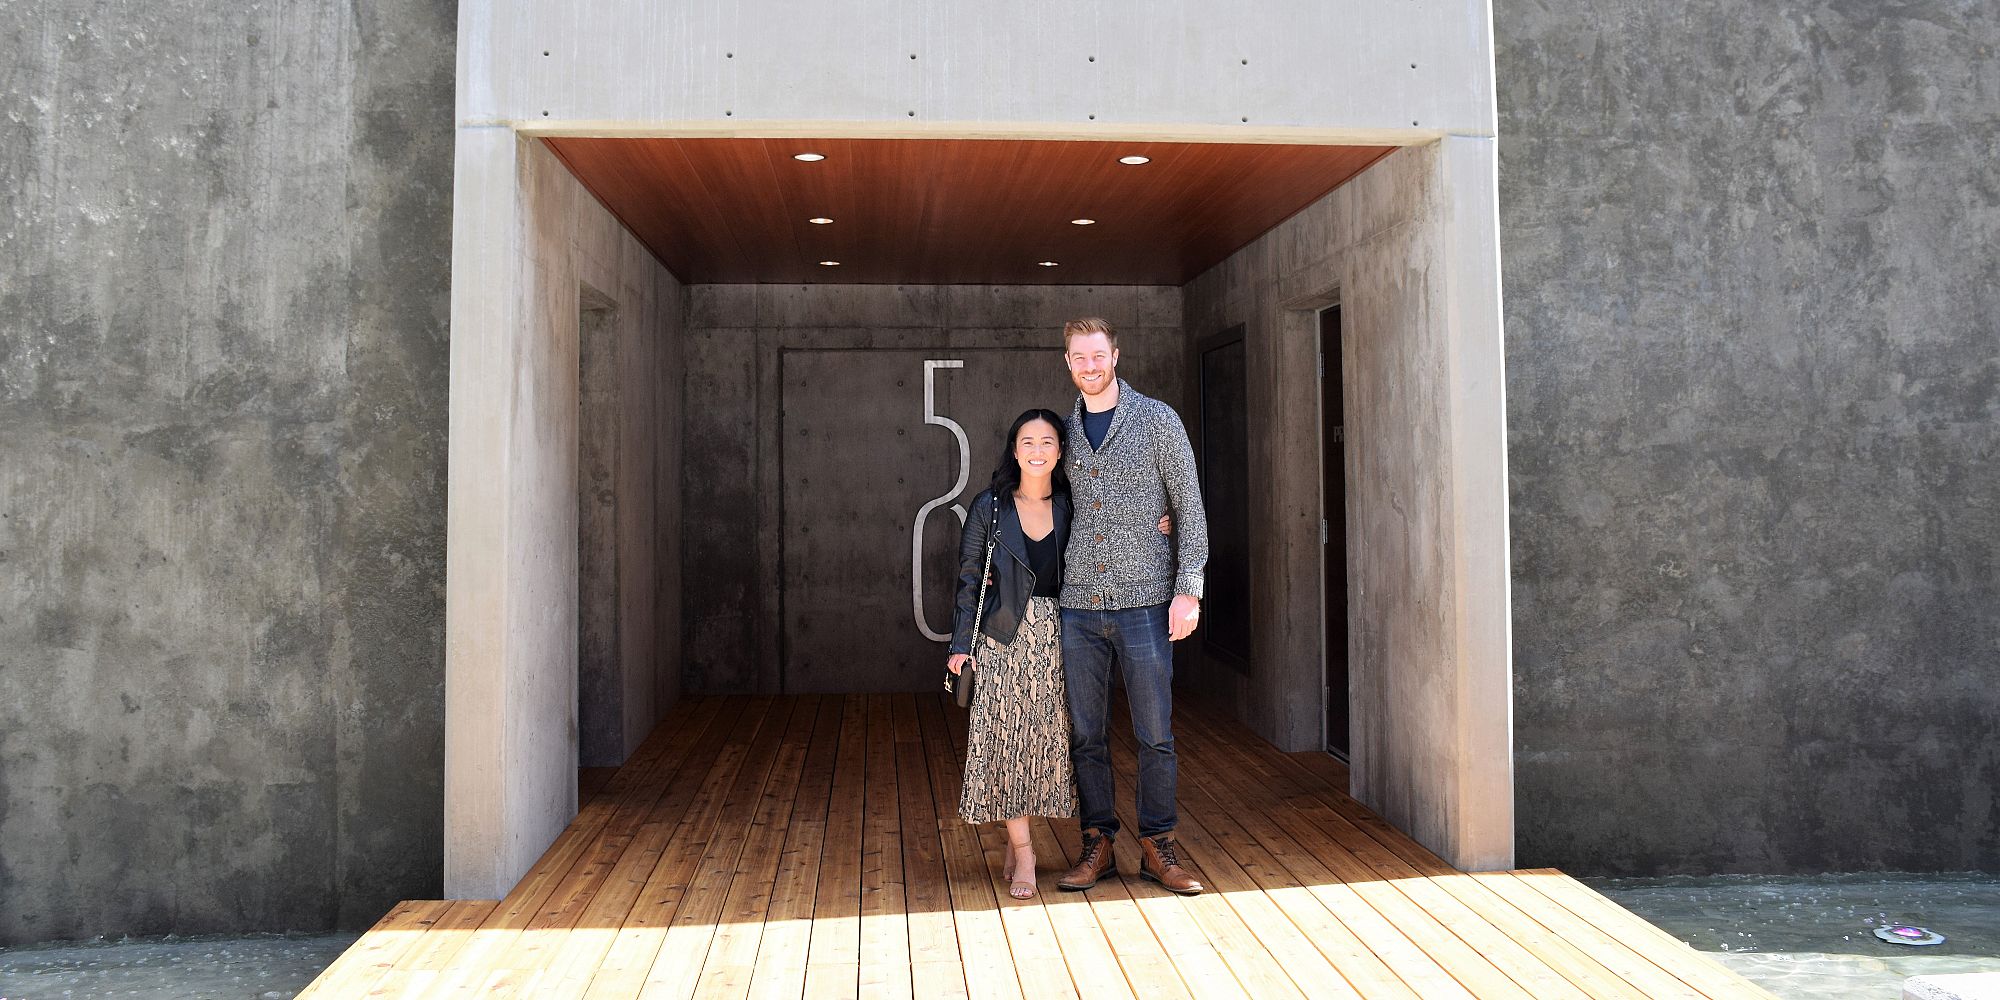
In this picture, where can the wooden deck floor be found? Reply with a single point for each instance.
(809, 847)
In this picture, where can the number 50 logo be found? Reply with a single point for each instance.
(931, 416)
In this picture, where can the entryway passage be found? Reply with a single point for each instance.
(808, 846)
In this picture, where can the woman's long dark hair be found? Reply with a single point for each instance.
(1007, 475)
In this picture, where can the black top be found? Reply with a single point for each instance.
(1096, 425)
(1042, 556)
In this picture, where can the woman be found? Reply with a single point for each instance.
(1017, 744)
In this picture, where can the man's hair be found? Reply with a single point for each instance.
(1088, 325)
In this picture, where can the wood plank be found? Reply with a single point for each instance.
(706, 865)
(1668, 952)
(1193, 958)
(1079, 943)
(1480, 951)
(1269, 762)
(1641, 977)
(1038, 958)
(1041, 957)
(404, 984)
(1086, 947)
(689, 939)
(572, 934)
(376, 952)
(1277, 959)
(731, 961)
(677, 961)
(1148, 971)
(560, 856)
(500, 934)
(780, 972)
(885, 928)
(836, 918)
(435, 951)
(1359, 830)
(990, 972)
(938, 980)
(1326, 767)
(1268, 860)
(1570, 963)
(622, 970)
(633, 803)
(926, 890)
(727, 969)
(1421, 972)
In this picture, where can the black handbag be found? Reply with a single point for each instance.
(960, 684)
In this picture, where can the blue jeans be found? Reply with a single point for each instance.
(1133, 640)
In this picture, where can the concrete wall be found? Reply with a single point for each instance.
(223, 244)
(1425, 509)
(511, 747)
(1752, 297)
(627, 499)
(738, 528)
(627, 66)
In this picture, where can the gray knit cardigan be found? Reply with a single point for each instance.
(1117, 557)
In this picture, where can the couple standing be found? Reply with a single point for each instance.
(1085, 578)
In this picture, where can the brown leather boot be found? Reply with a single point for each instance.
(1159, 861)
(1096, 862)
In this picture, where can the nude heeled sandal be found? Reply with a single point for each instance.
(1019, 888)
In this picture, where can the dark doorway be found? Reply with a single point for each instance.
(1225, 494)
(1333, 528)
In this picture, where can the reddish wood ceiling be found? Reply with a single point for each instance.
(951, 211)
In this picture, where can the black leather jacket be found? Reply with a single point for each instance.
(1013, 580)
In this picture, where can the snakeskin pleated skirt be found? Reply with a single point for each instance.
(1017, 743)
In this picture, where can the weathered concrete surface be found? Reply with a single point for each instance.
(631, 65)
(1754, 383)
(628, 493)
(524, 261)
(735, 522)
(1399, 248)
(222, 413)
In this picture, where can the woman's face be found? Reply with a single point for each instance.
(1038, 448)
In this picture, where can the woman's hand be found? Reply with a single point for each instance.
(1166, 524)
(957, 662)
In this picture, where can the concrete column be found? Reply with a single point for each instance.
(1481, 829)
(510, 653)
(528, 240)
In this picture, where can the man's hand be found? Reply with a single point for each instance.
(957, 662)
(1182, 617)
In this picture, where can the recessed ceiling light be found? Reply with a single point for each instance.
(821, 221)
(829, 263)
(1047, 263)
(809, 157)
(1134, 160)
(1083, 222)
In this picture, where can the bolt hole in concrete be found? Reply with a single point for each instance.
(1816, 936)
(257, 966)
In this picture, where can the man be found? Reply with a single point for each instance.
(1125, 596)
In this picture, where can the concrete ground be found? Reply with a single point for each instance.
(1811, 937)
(200, 968)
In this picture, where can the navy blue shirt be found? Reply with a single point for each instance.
(1095, 425)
